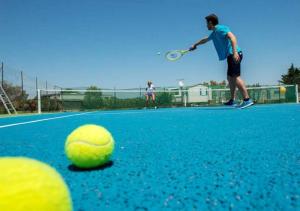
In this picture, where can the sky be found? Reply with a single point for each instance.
(114, 43)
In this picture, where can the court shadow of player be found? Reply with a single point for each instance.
(216, 108)
(103, 167)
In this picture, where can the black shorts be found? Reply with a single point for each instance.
(234, 69)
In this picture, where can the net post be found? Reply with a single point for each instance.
(297, 94)
(2, 76)
(39, 101)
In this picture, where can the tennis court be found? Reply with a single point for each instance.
(174, 159)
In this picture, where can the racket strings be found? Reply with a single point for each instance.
(173, 55)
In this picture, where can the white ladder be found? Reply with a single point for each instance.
(6, 102)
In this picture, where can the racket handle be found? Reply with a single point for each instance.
(194, 47)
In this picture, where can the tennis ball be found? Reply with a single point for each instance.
(282, 90)
(27, 184)
(89, 146)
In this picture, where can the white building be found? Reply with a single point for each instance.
(199, 93)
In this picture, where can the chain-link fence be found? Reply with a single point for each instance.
(22, 88)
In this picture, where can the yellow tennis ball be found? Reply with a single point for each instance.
(89, 146)
(282, 90)
(27, 184)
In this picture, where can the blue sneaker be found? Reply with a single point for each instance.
(246, 104)
(231, 103)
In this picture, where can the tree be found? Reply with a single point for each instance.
(93, 100)
(222, 83)
(292, 76)
(213, 83)
(15, 94)
(164, 99)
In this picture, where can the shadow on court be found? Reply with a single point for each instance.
(77, 169)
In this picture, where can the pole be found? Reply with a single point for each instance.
(297, 94)
(39, 101)
(115, 98)
(140, 92)
(2, 74)
(22, 84)
(184, 96)
(36, 86)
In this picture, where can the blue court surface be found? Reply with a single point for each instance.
(174, 159)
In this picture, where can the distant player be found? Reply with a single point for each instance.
(150, 93)
(226, 46)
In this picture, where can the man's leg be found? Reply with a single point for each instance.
(242, 88)
(147, 100)
(233, 72)
(153, 100)
(232, 86)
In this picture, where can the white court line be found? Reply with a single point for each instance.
(42, 120)
(128, 112)
(60, 117)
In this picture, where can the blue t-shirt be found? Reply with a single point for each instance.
(222, 42)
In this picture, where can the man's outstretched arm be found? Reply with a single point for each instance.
(200, 42)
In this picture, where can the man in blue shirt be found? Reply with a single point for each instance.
(226, 46)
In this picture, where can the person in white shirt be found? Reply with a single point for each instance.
(150, 93)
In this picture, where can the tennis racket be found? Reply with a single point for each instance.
(175, 54)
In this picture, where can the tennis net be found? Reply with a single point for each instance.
(200, 95)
